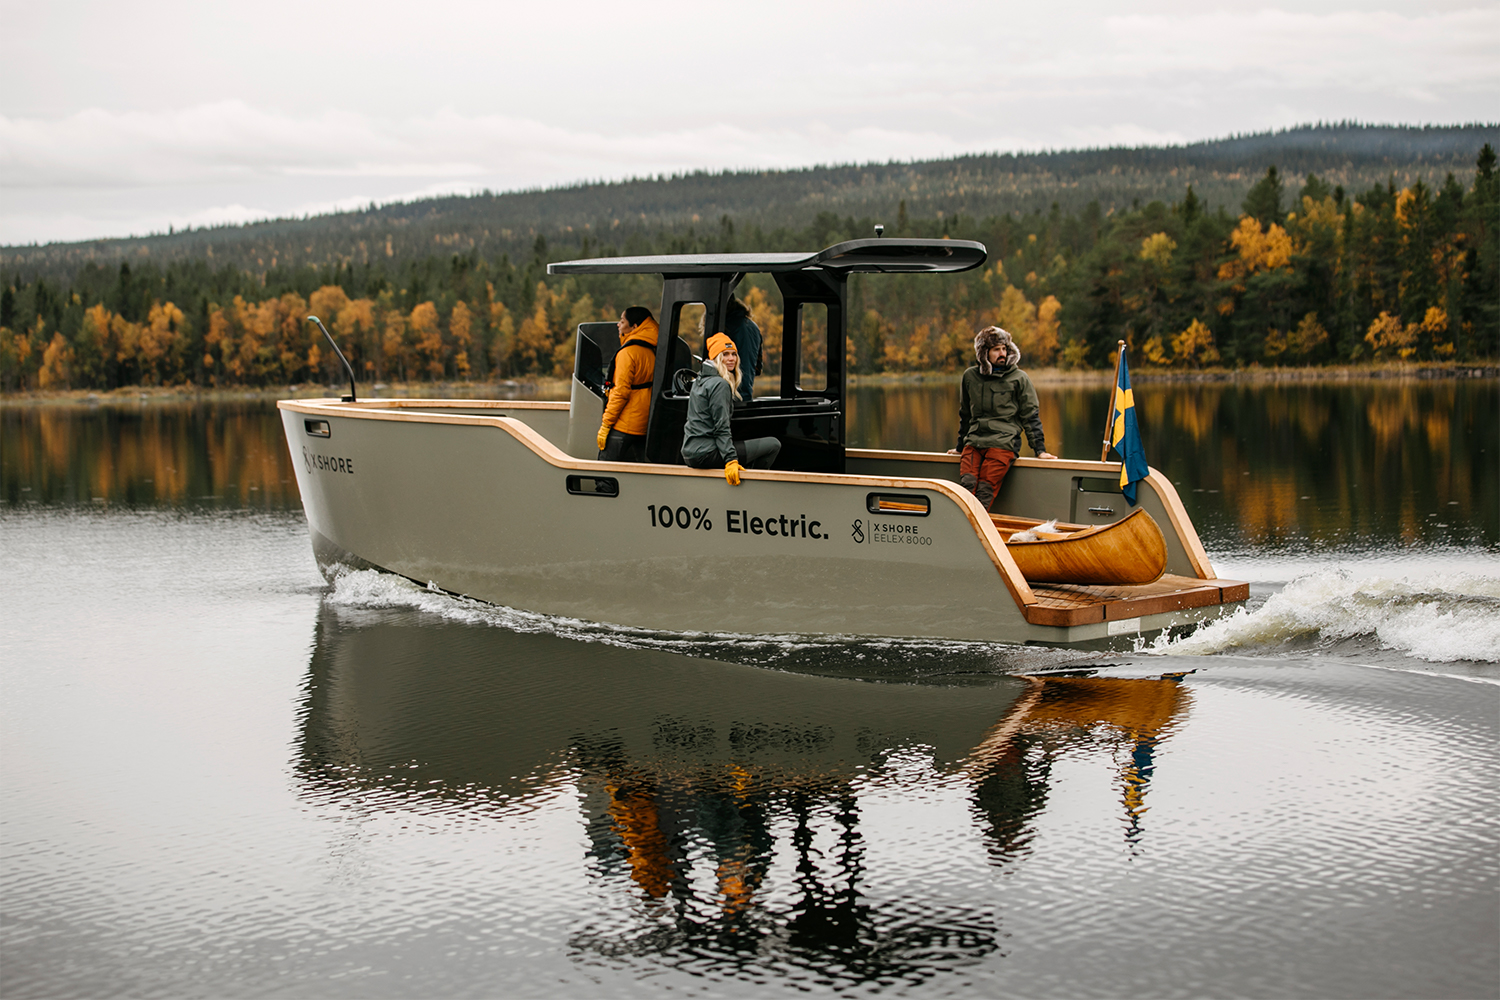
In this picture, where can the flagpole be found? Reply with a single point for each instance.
(1114, 391)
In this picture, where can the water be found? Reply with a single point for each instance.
(223, 775)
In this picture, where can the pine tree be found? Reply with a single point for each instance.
(1315, 189)
(1482, 285)
(1263, 203)
(1191, 207)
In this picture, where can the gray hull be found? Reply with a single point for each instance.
(480, 499)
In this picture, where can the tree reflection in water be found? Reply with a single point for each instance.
(1126, 718)
(1358, 465)
(656, 834)
(156, 454)
(726, 808)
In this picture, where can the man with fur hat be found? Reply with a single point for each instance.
(996, 402)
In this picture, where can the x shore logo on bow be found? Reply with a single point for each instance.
(326, 463)
(888, 533)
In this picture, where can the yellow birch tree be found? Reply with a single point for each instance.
(460, 328)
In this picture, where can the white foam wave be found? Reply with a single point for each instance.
(1438, 617)
(368, 589)
(843, 655)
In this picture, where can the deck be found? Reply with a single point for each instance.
(1075, 604)
(1067, 604)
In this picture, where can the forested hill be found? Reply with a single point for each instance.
(1348, 244)
(762, 206)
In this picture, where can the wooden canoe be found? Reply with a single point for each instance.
(1129, 551)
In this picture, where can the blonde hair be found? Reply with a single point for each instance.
(725, 374)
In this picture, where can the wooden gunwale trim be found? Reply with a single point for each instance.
(1104, 469)
(1009, 572)
(469, 404)
(905, 456)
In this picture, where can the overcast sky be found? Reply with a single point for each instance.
(124, 118)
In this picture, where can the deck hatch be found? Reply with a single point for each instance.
(1097, 500)
(316, 428)
(593, 486)
(908, 504)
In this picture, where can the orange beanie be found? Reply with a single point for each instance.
(718, 344)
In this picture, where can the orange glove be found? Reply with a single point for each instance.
(732, 472)
(603, 436)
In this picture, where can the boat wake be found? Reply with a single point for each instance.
(1433, 616)
(939, 661)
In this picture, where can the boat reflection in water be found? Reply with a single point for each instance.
(733, 818)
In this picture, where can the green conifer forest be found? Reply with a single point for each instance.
(1315, 246)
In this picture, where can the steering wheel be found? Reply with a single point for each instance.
(682, 381)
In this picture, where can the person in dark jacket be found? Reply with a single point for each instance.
(996, 403)
(706, 443)
(746, 336)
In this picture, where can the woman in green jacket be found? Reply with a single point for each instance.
(706, 443)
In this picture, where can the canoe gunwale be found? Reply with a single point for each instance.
(1073, 535)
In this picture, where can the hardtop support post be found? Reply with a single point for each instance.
(799, 288)
(676, 290)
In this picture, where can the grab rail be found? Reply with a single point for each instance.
(347, 366)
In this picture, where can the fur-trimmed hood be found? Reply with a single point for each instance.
(991, 337)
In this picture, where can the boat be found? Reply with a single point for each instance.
(505, 501)
(1127, 552)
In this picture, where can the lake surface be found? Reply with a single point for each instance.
(223, 775)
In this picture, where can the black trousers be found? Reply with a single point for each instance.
(623, 447)
(752, 453)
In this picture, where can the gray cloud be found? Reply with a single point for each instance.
(178, 113)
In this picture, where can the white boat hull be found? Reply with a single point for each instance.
(473, 499)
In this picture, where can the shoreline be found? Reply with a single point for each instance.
(1249, 376)
(551, 387)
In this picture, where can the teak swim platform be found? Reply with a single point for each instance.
(504, 501)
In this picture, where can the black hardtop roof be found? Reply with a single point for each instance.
(891, 255)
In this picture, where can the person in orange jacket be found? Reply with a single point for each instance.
(622, 432)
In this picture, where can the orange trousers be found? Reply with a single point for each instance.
(982, 470)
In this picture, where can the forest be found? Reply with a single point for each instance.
(1303, 271)
(584, 220)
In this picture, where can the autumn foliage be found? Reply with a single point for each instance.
(1319, 277)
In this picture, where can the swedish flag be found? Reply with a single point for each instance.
(1125, 436)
